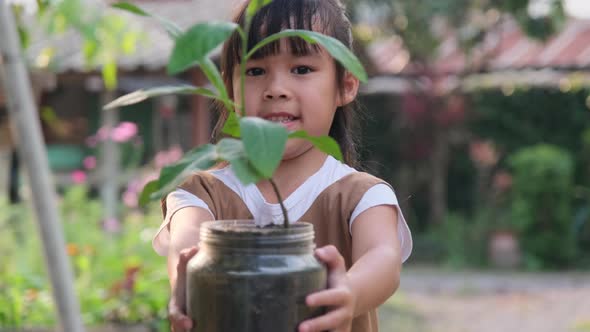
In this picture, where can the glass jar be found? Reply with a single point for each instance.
(250, 279)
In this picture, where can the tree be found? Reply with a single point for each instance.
(422, 27)
(419, 23)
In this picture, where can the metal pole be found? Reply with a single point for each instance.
(23, 114)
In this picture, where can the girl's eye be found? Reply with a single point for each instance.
(302, 70)
(254, 71)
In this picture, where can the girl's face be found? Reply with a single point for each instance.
(300, 92)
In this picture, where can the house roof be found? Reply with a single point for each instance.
(152, 51)
(507, 56)
(506, 48)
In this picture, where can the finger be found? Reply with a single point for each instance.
(334, 261)
(330, 321)
(334, 297)
(184, 256)
(178, 319)
(331, 257)
(184, 324)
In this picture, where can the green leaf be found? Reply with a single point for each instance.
(232, 150)
(264, 142)
(192, 47)
(129, 43)
(109, 75)
(90, 50)
(336, 49)
(200, 158)
(150, 188)
(173, 30)
(324, 143)
(255, 6)
(214, 76)
(232, 125)
(25, 36)
(141, 95)
(130, 8)
(245, 171)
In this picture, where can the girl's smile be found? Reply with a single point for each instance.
(286, 119)
(299, 91)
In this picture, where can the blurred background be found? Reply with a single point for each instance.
(476, 111)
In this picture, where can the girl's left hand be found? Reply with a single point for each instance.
(339, 297)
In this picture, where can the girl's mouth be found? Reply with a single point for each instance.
(287, 120)
(281, 119)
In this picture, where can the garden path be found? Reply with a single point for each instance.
(433, 300)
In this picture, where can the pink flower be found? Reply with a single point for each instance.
(89, 162)
(167, 157)
(174, 154)
(130, 198)
(112, 225)
(78, 176)
(103, 133)
(124, 132)
(502, 181)
(483, 153)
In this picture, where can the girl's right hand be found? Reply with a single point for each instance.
(179, 321)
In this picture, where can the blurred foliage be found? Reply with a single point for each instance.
(522, 118)
(118, 277)
(457, 243)
(465, 241)
(470, 20)
(542, 205)
(104, 36)
(582, 201)
(528, 117)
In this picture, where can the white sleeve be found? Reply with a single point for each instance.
(175, 201)
(382, 194)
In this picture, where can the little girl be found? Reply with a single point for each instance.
(359, 228)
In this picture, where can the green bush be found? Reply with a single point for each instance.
(542, 205)
(118, 277)
(582, 216)
(458, 242)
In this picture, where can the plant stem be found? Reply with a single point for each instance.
(285, 215)
(243, 67)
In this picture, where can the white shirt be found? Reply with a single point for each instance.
(296, 204)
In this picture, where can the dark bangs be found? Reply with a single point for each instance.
(281, 15)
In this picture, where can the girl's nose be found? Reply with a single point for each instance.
(270, 95)
(276, 90)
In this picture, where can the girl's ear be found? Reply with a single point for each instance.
(350, 89)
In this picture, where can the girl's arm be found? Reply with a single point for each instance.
(373, 277)
(376, 254)
(184, 226)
